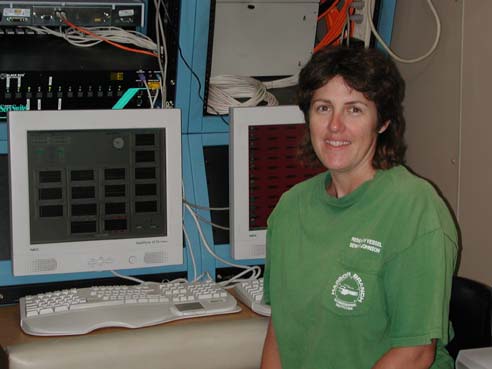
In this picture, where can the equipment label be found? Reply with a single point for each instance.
(16, 12)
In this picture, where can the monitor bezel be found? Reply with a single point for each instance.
(97, 255)
(246, 243)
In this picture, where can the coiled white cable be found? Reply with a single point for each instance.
(283, 82)
(225, 90)
(388, 49)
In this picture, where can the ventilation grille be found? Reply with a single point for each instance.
(156, 257)
(44, 265)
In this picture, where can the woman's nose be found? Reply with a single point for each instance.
(335, 123)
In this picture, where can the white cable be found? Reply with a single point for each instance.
(201, 207)
(206, 274)
(154, 99)
(387, 48)
(253, 269)
(178, 280)
(204, 220)
(114, 34)
(127, 277)
(190, 250)
(236, 279)
(346, 27)
(161, 47)
(162, 87)
(224, 90)
(283, 82)
(215, 225)
(149, 95)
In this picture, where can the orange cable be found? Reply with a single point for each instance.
(336, 22)
(87, 32)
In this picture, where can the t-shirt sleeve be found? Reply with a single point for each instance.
(418, 289)
(266, 274)
(269, 255)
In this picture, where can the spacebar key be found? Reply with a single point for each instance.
(95, 304)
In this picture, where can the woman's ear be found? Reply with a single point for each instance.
(384, 126)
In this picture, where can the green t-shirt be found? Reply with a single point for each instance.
(350, 278)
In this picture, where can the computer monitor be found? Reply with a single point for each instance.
(95, 190)
(478, 358)
(263, 164)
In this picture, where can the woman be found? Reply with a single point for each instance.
(360, 258)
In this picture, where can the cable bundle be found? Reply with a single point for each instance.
(225, 90)
(115, 34)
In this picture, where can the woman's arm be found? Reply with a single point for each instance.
(413, 357)
(270, 358)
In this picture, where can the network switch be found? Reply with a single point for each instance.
(119, 13)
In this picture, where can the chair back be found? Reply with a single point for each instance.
(470, 313)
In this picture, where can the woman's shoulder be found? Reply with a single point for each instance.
(420, 198)
(404, 182)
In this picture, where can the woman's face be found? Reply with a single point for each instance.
(342, 124)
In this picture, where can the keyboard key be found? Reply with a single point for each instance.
(250, 293)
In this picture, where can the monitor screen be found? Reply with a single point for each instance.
(95, 190)
(264, 163)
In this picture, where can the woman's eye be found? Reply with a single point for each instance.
(355, 109)
(322, 108)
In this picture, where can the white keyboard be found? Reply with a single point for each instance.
(250, 293)
(82, 310)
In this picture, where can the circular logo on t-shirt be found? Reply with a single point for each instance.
(348, 291)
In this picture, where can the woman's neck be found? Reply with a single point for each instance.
(342, 184)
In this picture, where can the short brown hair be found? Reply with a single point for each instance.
(375, 75)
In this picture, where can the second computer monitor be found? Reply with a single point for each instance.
(264, 162)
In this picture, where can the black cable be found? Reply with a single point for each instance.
(176, 34)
